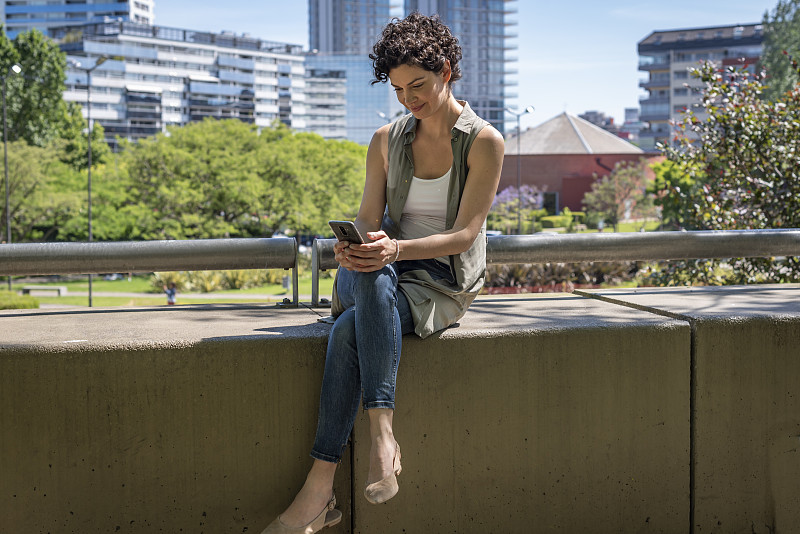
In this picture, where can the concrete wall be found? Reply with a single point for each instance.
(746, 397)
(640, 411)
(157, 421)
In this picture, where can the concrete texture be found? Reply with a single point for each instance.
(746, 417)
(540, 414)
(545, 414)
(189, 419)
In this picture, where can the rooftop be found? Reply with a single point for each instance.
(710, 36)
(568, 134)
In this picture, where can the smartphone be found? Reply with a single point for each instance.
(346, 231)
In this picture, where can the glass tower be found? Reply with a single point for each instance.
(481, 28)
(341, 35)
(346, 26)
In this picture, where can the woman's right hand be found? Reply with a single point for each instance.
(341, 250)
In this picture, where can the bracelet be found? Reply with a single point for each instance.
(397, 250)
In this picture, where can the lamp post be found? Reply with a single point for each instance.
(15, 69)
(518, 115)
(100, 60)
(387, 118)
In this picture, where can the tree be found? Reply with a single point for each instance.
(674, 190)
(44, 193)
(72, 143)
(743, 159)
(621, 194)
(781, 37)
(503, 214)
(35, 108)
(222, 178)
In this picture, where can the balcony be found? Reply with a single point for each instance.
(649, 65)
(648, 83)
(654, 116)
(153, 115)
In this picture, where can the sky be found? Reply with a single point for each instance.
(574, 55)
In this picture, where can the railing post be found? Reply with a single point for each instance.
(321, 260)
(314, 274)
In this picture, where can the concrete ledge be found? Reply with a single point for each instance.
(536, 414)
(746, 442)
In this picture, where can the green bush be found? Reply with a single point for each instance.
(244, 278)
(560, 274)
(274, 276)
(579, 217)
(592, 218)
(555, 221)
(206, 281)
(11, 301)
(179, 278)
(539, 213)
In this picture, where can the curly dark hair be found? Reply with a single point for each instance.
(419, 41)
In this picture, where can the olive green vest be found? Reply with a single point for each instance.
(436, 304)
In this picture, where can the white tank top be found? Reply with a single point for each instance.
(425, 210)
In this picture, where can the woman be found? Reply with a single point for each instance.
(430, 180)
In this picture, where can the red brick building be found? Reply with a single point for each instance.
(562, 157)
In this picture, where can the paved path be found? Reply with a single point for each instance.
(186, 296)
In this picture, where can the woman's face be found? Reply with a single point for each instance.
(421, 91)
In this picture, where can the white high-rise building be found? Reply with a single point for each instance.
(667, 57)
(19, 16)
(170, 76)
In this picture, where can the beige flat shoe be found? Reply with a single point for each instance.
(383, 490)
(326, 518)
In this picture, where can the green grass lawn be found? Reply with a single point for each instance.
(141, 284)
(649, 226)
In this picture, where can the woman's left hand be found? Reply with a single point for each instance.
(375, 255)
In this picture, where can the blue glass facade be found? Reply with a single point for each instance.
(482, 29)
(368, 106)
(346, 26)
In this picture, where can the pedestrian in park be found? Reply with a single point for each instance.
(431, 177)
(172, 293)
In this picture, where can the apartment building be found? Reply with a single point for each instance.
(668, 56)
(21, 16)
(482, 28)
(169, 76)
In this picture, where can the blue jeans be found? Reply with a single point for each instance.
(364, 350)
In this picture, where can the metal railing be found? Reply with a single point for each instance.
(151, 256)
(281, 253)
(643, 246)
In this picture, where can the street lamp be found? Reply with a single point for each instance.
(519, 114)
(386, 117)
(76, 64)
(15, 69)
